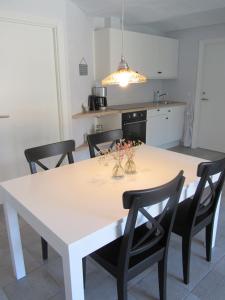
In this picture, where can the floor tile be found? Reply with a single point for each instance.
(220, 267)
(100, 285)
(3, 295)
(199, 266)
(147, 288)
(55, 269)
(35, 251)
(6, 269)
(191, 297)
(199, 152)
(211, 287)
(59, 296)
(139, 293)
(38, 285)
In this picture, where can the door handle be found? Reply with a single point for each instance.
(2, 116)
(137, 122)
(204, 99)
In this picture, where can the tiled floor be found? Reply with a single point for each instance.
(45, 280)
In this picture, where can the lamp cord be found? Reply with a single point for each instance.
(122, 25)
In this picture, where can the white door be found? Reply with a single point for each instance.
(211, 133)
(28, 93)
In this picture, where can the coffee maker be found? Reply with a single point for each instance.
(98, 99)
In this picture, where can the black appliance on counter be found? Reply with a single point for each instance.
(98, 99)
(134, 125)
(97, 103)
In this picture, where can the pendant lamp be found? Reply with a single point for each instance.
(124, 75)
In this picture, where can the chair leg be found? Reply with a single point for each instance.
(186, 256)
(84, 270)
(121, 289)
(208, 238)
(44, 246)
(162, 275)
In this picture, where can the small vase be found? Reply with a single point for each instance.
(118, 170)
(130, 167)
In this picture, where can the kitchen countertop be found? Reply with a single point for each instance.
(115, 109)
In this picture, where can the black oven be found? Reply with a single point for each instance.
(134, 125)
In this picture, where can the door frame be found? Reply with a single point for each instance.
(196, 123)
(61, 64)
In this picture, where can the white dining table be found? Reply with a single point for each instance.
(78, 208)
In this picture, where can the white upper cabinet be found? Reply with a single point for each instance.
(154, 56)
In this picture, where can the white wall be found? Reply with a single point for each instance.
(115, 22)
(80, 44)
(184, 87)
(28, 8)
(78, 35)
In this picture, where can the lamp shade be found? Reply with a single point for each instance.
(124, 76)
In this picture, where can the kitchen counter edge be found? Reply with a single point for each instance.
(110, 111)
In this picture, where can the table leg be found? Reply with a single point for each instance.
(73, 276)
(216, 222)
(15, 244)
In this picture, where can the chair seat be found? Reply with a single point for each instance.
(183, 218)
(108, 256)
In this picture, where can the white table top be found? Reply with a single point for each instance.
(77, 200)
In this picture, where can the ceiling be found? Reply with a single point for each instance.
(162, 15)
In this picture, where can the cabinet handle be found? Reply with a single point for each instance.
(159, 72)
(158, 109)
(169, 110)
(167, 118)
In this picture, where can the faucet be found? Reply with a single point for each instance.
(158, 96)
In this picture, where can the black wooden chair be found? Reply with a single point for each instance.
(198, 212)
(96, 139)
(141, 247)
(34, 155)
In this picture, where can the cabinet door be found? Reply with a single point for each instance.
(102, 57)
(140, 51)
(111, 122)
(167, 57)
(175, 123)
(154, 56)
(157, 130)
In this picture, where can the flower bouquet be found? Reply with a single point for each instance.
(130, 166)
(125, 149)
(118, 156)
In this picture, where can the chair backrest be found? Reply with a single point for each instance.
(95, 139)
(205, 201)
(158, 228)
(34, 155)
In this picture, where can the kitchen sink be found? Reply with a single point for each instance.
(165, 102)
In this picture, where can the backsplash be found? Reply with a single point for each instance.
(133, 93)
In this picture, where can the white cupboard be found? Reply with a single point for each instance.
(165, 126)
(154, 56)
(175, 123)
(156, 131)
